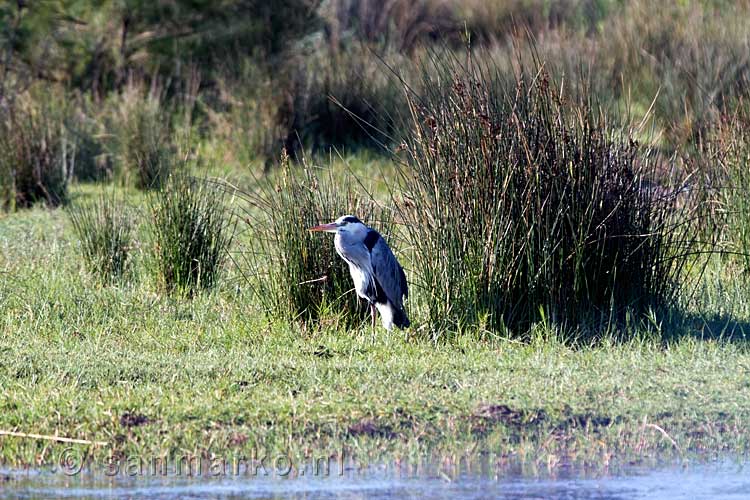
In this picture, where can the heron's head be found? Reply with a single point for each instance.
(345, 224)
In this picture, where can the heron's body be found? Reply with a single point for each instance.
(377, 275)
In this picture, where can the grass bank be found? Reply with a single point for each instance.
(151, 374)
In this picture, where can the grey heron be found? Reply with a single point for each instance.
(377, 275)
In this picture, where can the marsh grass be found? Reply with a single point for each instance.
(95, 146)
(404, 25)
(147, 153)
(317, 102)
(36, 152)
(105, 228)
(192, 233)
(297, 274)
(345, 98)
(523, 205)
(692, 55)
(81, 357)
(250, 126)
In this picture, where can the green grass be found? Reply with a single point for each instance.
(211, 375)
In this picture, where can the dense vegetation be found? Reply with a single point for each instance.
(545, 217)
(571, 170)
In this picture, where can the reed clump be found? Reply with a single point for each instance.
(144, 130)
(105, 228)
(37, 153)
(524, 205)
(192, 233)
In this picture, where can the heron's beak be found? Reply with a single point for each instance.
(329, 228)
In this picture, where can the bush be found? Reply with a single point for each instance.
(297, 274)
(147, 154)
(36, 151)
(327, 99)
(191, 233)
(521, 205)
(105, 228)
(341, 99)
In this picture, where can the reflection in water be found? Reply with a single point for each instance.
(725, 479)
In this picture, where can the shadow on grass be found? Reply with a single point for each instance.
(665, 325)
(705, 326)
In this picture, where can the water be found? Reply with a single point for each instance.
(717, 480)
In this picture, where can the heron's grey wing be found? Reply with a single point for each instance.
(388, 272)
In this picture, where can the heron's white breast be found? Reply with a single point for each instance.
(360, 280)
